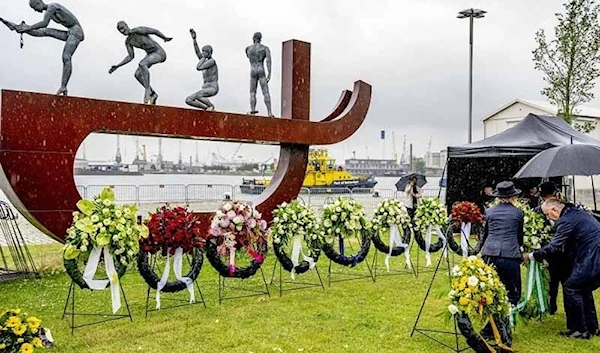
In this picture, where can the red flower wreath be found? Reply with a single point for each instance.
(466, 212)
(172, 228)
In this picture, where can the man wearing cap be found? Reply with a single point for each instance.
(583, 231)
(503, 238)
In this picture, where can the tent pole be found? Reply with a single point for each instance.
(443, 172)
(594, 193)
(574, 195)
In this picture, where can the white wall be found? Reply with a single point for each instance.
(509, 116)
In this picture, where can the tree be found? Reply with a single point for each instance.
(570, 62)
(419, 165)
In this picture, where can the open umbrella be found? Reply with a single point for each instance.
(564, 160)
(561, 161)
(403, 181)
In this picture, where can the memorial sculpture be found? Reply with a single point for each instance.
(72, 36)
(210, 74)
(139, 37)
(41, 135)
(258, 53)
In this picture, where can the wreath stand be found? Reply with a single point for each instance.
(352, 276)
(104, 317)
(253, 292)
(406, 271)
(23, 263)
(178, 302)
(295, 285)
(455, 346)
(446, 266)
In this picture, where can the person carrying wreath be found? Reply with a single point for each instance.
(413, 194)
(561, 263)
(503, 237)
(583, 231)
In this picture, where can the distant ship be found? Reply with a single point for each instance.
(322, 176)
(376, 167)
(85, 167)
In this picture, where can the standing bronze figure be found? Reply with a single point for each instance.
(258, 53)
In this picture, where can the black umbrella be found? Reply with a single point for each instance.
(401, 184)
(562, 161)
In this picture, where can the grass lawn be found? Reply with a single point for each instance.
(357, 316)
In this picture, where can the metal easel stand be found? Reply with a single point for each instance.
(241, 288)
(22, 261)
(455, 346)
(178, 302)
(295, 285)
(104, 317)
(405, 271)
(418, 267)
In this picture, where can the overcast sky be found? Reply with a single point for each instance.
(413, 53)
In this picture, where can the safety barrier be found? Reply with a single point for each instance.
(198, 193)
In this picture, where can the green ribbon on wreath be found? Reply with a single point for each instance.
(536, 286)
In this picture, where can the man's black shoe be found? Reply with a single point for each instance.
(579, 335)
(566, 333)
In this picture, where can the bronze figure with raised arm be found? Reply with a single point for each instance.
(72, 36)
(139, 37)
(210, 74)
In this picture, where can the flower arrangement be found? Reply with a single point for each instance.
(235, 226)
(101, 223)
(466, 212)
(477, 290)
(238, 225)
(172, 228)
(430, 212)
(537, 232)
(19, 332)
(388, 213)
(391, 218)
(343, 217)
(294, 218)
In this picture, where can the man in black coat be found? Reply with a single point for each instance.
(580, 228)
(561, 263)
(503, 238)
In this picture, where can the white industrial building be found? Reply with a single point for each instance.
(515, 111)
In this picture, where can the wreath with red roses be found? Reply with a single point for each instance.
(170, 229)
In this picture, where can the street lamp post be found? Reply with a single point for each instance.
(471, 14)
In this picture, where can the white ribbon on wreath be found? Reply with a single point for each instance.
(177, 269)
(396, 240)
(296, 251)
(100, 284)
(465, 233)
(428, 236)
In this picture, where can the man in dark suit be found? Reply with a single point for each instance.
(503, 238)
(560, 264)
(579, 227)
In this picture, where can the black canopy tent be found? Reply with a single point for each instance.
(499, 157)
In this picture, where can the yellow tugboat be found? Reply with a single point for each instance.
(322, 176)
